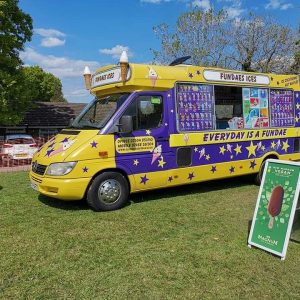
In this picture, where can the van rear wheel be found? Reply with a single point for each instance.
(108, 191)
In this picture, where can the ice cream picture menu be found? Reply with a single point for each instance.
(282, 108)
(195, 107)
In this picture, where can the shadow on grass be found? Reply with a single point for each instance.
(154, 195)
(295, 235)
(196, 188)
(65, 205)
(1, 187)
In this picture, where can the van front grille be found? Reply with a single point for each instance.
(38, 169)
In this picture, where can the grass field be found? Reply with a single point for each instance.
(184, 243)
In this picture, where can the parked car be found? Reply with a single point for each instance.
(19, 146)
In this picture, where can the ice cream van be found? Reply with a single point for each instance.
(152, 126)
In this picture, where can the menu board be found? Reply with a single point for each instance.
(195, 107)
(255, 108)
(282, 108)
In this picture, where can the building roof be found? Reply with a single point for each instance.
(51, 114)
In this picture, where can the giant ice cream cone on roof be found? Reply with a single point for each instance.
(87, 77)
(124, 66)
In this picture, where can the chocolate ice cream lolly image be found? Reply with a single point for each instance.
(275, 203)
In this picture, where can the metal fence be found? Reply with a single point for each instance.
(8, 164)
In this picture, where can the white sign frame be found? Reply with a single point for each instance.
(292, 215)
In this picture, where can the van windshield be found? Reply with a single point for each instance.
(99, 111)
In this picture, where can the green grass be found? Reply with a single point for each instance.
(188, 242)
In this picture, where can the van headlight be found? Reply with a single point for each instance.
(59, 169)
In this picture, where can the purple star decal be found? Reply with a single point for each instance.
(94, 144)
(252, 164)
(191, 75)
(213, 169)
(231, 170)
(85, 169)
(198, 72)
(49, 152)
(170, 178)
(144, 179)
(65, 140)
(191, 175)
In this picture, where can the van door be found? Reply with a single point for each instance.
(144, 151)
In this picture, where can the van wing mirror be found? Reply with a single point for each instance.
(126, 124)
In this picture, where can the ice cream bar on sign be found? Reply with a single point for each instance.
(275, 203)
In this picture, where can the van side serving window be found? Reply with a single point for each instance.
(146, 112)
(195, 107)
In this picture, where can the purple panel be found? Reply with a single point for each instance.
(282, 108)
(297, 109)
(195, 107)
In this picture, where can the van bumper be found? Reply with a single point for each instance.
(64, 189)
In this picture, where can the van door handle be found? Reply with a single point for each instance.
(161, 139)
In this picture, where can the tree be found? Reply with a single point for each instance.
(260, 44)
(44, 86)
(213, 39)
(296, 65)
(15, 31)
(199, 34)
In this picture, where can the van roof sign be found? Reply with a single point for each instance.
(224, 76)
(108, 77)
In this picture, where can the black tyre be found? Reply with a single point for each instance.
(259, 175)
(108, 191)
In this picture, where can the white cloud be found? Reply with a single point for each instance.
(203, 4)
(49, 32)
(286, 6)
(78, 93)
(278, 4)
(51, 37)
(52, 42)
(155, 1)
(116, 51)
(151, 1)
(234, 12)
(61, 67)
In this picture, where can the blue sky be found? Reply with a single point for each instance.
(71, 34)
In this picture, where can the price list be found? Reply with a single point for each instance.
(282, 108)
(195, 107)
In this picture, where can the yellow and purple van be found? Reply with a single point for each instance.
(153, 126)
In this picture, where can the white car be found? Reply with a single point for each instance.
(19, 146)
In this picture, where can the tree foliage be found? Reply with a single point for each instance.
(213, 39)
(296, 64)
(44, 86)
(15, 31)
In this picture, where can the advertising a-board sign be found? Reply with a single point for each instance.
(275, 207)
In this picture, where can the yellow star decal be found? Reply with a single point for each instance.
(196, 149)
(273, 144)
(148, 132)
(251, 149)
(161, 162)
(285, 146)
(296, 119)
(237, 149)
(263, 148)
(222, 150)
(207, 157)
(298, 105)
(136, 162)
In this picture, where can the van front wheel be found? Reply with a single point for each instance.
(108, 191)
